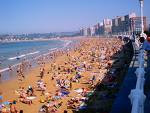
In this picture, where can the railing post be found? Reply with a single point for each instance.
(137, 96)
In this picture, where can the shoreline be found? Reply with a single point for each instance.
(40, 39)
(7, 70)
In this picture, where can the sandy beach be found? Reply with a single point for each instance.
(70, 76)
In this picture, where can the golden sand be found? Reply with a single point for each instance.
(8, 88)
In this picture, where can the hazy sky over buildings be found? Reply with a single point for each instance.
(29, 16)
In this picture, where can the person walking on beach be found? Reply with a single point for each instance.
(70, 85)
(42, 73)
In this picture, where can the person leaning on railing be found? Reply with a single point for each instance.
(146, 47)
(141, 40)
(146, 44)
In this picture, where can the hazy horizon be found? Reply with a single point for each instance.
(44, 16)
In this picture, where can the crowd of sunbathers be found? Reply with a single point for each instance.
(93, 56)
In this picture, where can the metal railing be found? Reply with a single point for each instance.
(137, 96)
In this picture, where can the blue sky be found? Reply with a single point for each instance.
(33, 16)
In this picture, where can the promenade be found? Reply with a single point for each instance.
(122, 103)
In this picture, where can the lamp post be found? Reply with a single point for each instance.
(142, 21)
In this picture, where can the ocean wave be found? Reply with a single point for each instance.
(67, 43)
(33, 53)
(53, 49)
(5, 69)
(21, 56)
(14, 58)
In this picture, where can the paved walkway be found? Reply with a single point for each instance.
(147, 87)
(122, 103)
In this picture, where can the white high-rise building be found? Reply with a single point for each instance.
(107, 24)
(85, 32)
(93, 31)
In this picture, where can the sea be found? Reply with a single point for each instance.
(12, 53)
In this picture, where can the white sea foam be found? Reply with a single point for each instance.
(67, 43)
(5, 69)
(21, 56)
(53, 49)
(33, 53)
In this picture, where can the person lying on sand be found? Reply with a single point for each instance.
(13, 108)
(26, 101)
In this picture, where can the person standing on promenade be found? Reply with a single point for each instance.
(141, 40)
(146, 44)
(146, 47)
